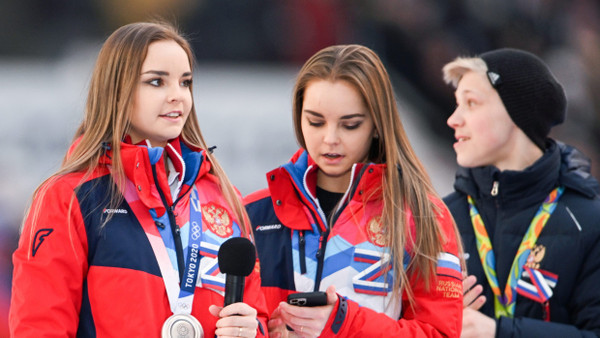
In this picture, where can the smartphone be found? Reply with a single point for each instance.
(317, 298)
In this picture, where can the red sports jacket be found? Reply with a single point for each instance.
(299, 251)
(74, 276)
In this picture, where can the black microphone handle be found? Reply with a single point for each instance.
(234, 289)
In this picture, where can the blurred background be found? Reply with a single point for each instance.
(248, 54)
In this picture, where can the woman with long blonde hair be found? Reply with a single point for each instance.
(354, 211)
(122, 240)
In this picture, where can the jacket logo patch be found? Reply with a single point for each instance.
(375, 231)
(114, 211)
(38, 239)
(449, 288)
(217, 219)
(368, 280)
(535, 257)
(268, 227)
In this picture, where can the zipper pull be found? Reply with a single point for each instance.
(302, 252)
(321, 240)
(495, 185)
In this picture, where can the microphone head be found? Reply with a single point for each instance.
(237, 256)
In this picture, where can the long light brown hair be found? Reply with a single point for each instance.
(107, 118)
(406, 185)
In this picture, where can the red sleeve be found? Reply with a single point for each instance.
(437, 311)
(254, 296)
(50, 264)
(253, 293)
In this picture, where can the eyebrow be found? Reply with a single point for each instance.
(345, 117)
(163, 73)
(468, 92)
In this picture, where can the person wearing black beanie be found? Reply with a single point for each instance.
(533, 98)
(526, 205)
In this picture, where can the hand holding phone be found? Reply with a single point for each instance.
(317, 298)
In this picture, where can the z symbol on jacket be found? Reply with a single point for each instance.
(39, 237)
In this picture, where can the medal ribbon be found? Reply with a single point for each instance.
(504, 305)
(540, 287)
(192, 263)
(180, 295)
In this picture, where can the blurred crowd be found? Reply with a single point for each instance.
(415, 38)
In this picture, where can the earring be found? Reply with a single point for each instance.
(376, 136)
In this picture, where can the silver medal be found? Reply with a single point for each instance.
(182, 326)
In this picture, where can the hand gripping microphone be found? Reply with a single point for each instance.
(237, 257)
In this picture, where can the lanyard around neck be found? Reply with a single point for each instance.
(504, 305)
(180, 293)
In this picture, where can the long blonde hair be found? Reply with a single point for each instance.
(406, 184)
(109, 104)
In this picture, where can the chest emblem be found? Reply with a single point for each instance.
(375, 232)
(535, 257)
(217, 219)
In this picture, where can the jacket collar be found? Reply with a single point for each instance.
(293, 187)
(575, 171)
(560, 164)
(144, 168)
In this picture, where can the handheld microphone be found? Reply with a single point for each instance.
(237, 258)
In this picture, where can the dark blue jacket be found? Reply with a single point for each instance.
(569, 245)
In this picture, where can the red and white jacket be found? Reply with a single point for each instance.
(76, 277)
(299, 251)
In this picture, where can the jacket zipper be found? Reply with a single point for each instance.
(325, 234)
(321, 257)
(302, 251)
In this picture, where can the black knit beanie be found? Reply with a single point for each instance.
(532, 96)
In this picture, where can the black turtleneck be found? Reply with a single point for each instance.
(328, 200)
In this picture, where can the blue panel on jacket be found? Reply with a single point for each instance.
(121, 242)
(276, 268)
